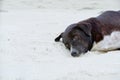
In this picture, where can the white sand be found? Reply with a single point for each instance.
(28, 50)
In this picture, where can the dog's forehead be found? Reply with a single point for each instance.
(67, 37)
(72, 31)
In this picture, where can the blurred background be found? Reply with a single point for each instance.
(28, 50)
(78, 5)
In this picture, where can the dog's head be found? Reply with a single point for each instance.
(77, 38)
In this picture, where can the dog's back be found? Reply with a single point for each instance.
(110, 17)
(110, 21)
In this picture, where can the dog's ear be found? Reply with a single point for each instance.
(86, 28)
(59, 37)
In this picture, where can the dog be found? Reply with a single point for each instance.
(80, 37)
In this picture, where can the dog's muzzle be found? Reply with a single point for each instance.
(74, 52)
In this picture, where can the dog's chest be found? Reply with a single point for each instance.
(110, 42)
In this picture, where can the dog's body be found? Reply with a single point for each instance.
(79, 37)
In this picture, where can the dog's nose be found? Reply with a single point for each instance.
(74, 54)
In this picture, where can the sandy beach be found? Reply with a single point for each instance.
(27, 48)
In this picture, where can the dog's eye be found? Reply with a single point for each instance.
(67, 45)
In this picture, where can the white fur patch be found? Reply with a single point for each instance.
(110, 42)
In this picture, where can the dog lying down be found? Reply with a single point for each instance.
(101, 33)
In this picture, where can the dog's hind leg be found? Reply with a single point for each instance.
(58, 38)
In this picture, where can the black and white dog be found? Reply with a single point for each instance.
(103, 29)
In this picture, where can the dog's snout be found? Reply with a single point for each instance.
(74, 54)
